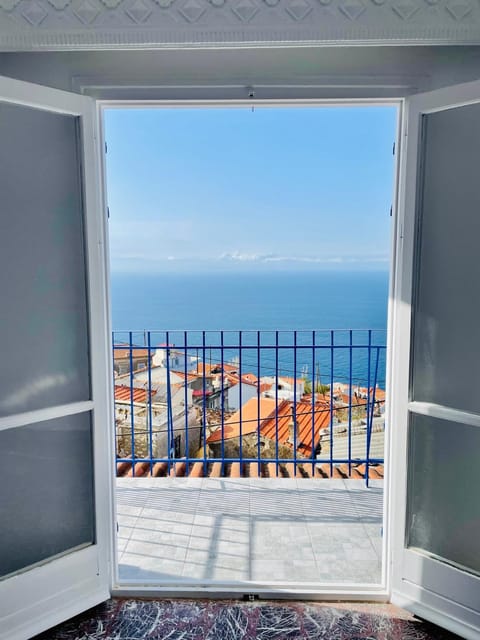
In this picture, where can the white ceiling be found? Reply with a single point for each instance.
(90, 24)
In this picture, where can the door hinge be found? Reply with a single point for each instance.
(106, 147)
(391, 210)
(118, 528)
(393, 149)
(108, 212)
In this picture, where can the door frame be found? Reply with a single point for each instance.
(230, 99)
(64, 585)
(401, 278)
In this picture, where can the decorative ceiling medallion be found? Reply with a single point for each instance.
(164, 4)
(112, 4)
(299, 9)
(245, 10)
(405, 10)
(217, 3)
(138, 12)
(352, 9)
(8, 5)
(192, 10)
(86, 11)
(59, 4)
(34, 13)
(271, 3)
(459, 10)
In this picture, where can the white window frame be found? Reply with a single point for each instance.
(410, 592)
(63, 586)
(378, 593)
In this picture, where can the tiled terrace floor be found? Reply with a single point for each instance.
(249, 529)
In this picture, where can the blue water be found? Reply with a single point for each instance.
(261, 301)
(267, 301)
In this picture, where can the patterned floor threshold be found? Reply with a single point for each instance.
(131, 619)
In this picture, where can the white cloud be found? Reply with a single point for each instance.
(240, 256)
(245, 257)
(148, 257)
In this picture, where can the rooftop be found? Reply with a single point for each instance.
(244, 421)
(124, 393)
(123, 351)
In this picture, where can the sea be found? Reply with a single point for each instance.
(285, 308)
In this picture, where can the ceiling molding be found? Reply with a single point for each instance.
(27, 25)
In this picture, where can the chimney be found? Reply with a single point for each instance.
(292, 428)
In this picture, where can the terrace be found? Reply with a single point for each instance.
(249, 458)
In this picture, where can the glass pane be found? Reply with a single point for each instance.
(42, 268)
(446, 328)
(49, 505)
(443, 510)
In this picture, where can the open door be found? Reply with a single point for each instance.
(435, 423)
(55, 476)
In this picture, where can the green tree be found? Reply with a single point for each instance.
(320, 388)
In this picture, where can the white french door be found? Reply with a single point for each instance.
(55, 472)
(435, 426)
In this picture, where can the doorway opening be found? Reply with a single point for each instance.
(250, 270)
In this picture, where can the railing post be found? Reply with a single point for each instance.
(132, 419)
(240, 444)
(313, 405)
(222, 391)
(258, 406)
(185, 395)
(276, 403)
(204, 410)
(368, 403)
(370, 422)
(332, 342)
(295, 404)
(170, 437)
(350, 370)
(114, 402)
(150, 426)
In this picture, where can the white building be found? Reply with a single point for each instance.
(284, 388)
(239, 393)
(177, 359)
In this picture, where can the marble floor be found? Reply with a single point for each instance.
(249, 530)
(134, 619)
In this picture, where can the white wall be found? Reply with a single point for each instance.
(248, 392)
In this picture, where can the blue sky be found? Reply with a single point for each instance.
(275, 188)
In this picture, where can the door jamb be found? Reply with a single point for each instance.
(397, 265)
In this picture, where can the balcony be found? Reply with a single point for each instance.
(250, 457)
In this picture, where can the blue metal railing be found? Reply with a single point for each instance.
(203, 397)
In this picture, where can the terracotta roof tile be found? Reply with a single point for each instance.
(249, 470)
(189, 376)
(123, 393)
(248, 418)
(122, 351)
(273, 419)
(305, 424)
